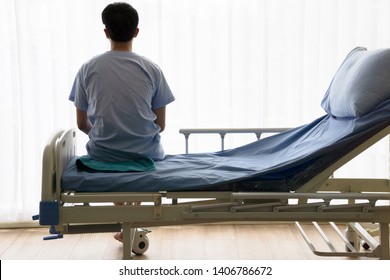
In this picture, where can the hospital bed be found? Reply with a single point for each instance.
(284, 177)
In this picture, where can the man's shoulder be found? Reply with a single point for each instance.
(112, 57)
(92, 61)
(144, 59)
(148, 63)
(98, 57)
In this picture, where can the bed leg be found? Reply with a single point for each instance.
(128, 238)
(384, 241)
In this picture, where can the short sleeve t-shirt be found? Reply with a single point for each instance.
(119, 91)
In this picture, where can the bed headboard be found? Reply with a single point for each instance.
(65, 150)
(48, 168)
(60, 149)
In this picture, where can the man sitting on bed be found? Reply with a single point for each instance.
(120, 96)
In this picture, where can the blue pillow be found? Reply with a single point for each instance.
(361, 83)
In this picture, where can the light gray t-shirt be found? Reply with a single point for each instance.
(119, 91)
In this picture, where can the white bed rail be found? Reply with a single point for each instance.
(223, 131)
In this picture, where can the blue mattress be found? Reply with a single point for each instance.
(282, 162)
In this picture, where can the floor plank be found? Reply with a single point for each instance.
(274, 241)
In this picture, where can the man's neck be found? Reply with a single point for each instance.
(122, 46)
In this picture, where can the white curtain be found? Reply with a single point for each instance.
(230, 63)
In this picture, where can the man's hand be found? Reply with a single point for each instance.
(160, 120)
(83, 122)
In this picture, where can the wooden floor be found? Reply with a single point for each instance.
(203, 242)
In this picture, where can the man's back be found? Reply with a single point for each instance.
(120, 91)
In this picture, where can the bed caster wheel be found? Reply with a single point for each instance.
(353, 239)
(141, 241)
(365, 245)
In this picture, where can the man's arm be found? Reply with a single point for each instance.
(160, 120)
(83, 122)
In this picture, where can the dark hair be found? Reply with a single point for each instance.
(121, 21)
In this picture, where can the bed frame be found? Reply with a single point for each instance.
(351, 202)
